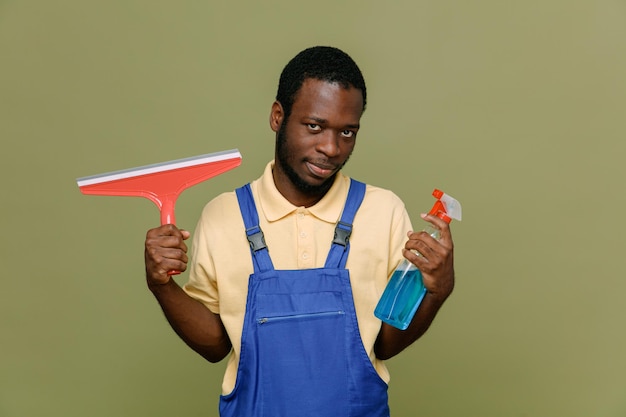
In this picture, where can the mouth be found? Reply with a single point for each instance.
(321, 170)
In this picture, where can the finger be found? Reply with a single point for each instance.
(159, 254)
(419, 246)
(164, 230)
(161, 274)
(425, 252)
(166, 241)
(424, 258)
(163, 268)
(173, 254)
(420, 241)
(160, 260)
(170, 242)
(445, 236)
(418, 253)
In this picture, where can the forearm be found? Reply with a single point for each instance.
(435, 259)
(392, 341)
(199, 328)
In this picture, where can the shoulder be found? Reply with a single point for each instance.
(222, 203)
(382, 207)
(374, 195)
(222, 211)
(382, 198)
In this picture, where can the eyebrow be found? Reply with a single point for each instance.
(321, 121)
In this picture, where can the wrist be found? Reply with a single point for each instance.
(159, 285)
(439, 297)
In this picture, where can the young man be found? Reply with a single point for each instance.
(286, 273)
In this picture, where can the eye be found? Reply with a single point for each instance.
(348, 133)
(314, 127)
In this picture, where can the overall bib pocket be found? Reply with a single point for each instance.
(301, 342)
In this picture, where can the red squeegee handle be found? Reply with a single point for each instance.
(167, 204)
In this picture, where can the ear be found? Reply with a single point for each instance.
(276, 116)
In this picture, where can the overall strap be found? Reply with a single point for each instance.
(260, 255)
(340, 248)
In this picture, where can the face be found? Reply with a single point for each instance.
(314, 143)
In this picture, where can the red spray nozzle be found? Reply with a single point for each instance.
(446, 207)
(439, 210)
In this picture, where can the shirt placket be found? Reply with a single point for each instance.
(306, 248)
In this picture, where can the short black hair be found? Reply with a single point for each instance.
(323, 63)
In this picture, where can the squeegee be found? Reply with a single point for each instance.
(161, 183)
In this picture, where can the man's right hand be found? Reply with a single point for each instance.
(200, 328)
(165, 250)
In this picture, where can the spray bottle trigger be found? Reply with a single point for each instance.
(439, 210)
(446, 207)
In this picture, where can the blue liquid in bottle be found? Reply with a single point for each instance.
(402, 296)
(404, 292)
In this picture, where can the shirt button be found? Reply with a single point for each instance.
(302, 234)
(305, 255)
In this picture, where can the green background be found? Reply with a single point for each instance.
(517, 109)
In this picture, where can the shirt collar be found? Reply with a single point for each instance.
(275, 206)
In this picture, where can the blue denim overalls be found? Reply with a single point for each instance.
(301, 350)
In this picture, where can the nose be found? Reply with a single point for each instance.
(328, 144)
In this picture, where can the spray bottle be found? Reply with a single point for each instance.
(405, 290)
